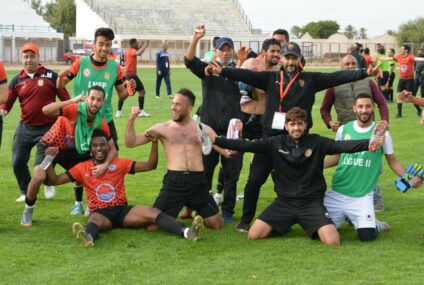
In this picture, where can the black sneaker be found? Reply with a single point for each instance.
(242, 227)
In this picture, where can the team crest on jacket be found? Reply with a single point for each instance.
(107, 75)
(105, 192)
(301, 82)
(86, 72)
(308, 152)
(347, 137)
(112, 167)
(40, 82)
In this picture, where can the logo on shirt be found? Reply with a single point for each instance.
(86, 72)
(40, 82)
(301, 82)
(112, 167)
(308, 152)
(105, 192)
(347, 137)
(107, 75)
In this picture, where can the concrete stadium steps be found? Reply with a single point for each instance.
(171, 17)
(22, 14)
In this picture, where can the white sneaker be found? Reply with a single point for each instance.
(118, 114)
(143, 114)
(205, 140)
(218, 198)
(21, 199)
(49, 192)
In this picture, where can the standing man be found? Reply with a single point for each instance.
(354, 50)
(298, 161)
(130, 72)
(419, 74)
(3, 94)
(35, 87)
(220, 104)
(252, 111)
(406, 80)
(185, 183)
(351, 192)
(71, 134)
(163, 70)
(343, 98)
(384, 67)
(97, 69)
(106, 195)
(392, 75)
(287, 88)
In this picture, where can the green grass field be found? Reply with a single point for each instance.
(48, 253)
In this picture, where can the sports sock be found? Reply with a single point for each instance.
(78, 190)
(29, 202)
(141, 102)
(390, 92)
(93, 230)
(399, 109)
(120, 104)
(169, 224)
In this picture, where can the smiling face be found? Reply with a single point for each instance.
(95, 100)
(295, 129)
(364, 109)
(99, 149)
(290, 63)
(30, 60)
(180, 108)
(272, 55)
(102, 48)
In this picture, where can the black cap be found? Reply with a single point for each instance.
(291, 48)
(224, 41)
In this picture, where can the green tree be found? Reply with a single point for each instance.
(37, 6)
(350, 32)
(363, 33)
(411, 32)
(61, 14)
(297, 32)
(321, 29)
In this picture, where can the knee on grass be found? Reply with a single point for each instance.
(367, 234)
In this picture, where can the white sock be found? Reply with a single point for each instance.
(186, 232)
(29, 207)
(78, 203)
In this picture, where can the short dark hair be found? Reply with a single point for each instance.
(363, 96)
(282, 32)
(187, 93)
(366, 50)
(214, 40)
(133, 41)
(105, 32)
(268, 42)
(296, 114)
(98, 133)
(97, 88)
(407, 48)
(392, 50)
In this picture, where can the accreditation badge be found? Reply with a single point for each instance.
(278, 121)
(40, 82)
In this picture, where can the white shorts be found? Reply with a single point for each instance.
(360, 210)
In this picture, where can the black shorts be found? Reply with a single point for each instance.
(138, 84)
(189, 189)
(116, 214)
(113, 134)
(67, 159)
(252, 127)
(310, 215)
(406, 84)
(383, 80)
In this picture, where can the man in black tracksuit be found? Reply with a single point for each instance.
(298, 162)
(290, 87)
(221, 103)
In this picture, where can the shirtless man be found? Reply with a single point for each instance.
(185, 183)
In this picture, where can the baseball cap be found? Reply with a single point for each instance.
(291, 48)
(224, 41)
(30, 46)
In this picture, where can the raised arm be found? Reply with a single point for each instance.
(325, 110)
(131, 138)
(143, 47)
(380, 101)
(151, 164)
(53, 109)
(53, 178)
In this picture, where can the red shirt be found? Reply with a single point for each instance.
(33, 94)
(3, 77)
(130, 62)
(62, 133)
(406, 66)
(107, 190)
